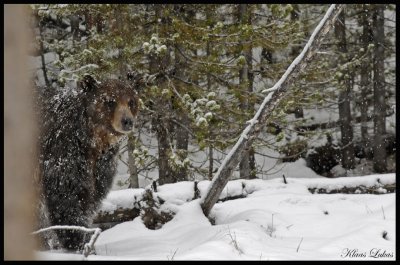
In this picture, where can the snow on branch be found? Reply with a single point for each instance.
(88, 246)
(65, 227)
(276, 94)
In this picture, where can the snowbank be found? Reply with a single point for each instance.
(276, 221)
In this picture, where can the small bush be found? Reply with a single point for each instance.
(294, 150)
(322, 159)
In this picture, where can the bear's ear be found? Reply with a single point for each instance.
(88, 83)
(138, 81)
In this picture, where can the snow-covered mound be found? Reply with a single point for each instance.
(276, 221)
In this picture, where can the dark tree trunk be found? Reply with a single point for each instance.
(74, 20)
(133, 172)
(365, 77)
(294, 16)
(94, 20)
(165, 172)
(380, 165)
(210, 161)
(182, 144)
(210, 147)
(246, 82)
(119, 23)
(344, 98)
(161, 121)
(182, 134)
(42, 51)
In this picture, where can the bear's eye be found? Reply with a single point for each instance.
(110, 103)
(131, 103)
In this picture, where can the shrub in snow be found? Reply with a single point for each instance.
(323, 159)
(294, 150)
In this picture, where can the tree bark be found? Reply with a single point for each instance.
(161, 120)
(344, 97)
(182, 135)
(165, 172)
(210, 161)
(74, 20)
(42, 51)
(182, 144)
(365, 77)
(210, 147)
(294, 16)
(380, 164)
(133, 172)
(245, 167)
(277, 93)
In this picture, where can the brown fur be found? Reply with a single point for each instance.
(106, 123)
(79, 143)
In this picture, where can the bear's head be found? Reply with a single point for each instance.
(112, 107)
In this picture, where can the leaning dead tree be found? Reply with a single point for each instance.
(271, 101)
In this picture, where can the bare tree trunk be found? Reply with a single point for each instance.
(210, 161)
(161, 120)
(74, 20)
(210, 147)
(344, 97)
(277, 93)
(132, 167)
(133, 172)
(380, 164)
(99, 24)
(165, 172)
(182, 135)
(246, 172)
(365, 77)
(20, 134)
(42, 51)
(294, 16)
(162, 125)
(182, 144)
(91, 21)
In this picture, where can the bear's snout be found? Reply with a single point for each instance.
(123, 119)
(127, 124)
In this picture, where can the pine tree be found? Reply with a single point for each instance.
(344, 96)
(380, 165)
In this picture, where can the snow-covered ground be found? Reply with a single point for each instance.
(276, 221)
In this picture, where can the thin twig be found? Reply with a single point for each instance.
(299, 245)
(90, 246)
(173, 255)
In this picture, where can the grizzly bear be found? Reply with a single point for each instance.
(79, 140)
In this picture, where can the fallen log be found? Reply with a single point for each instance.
(148, 206)
(105, 220)
(389, 188)
(148, 211)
